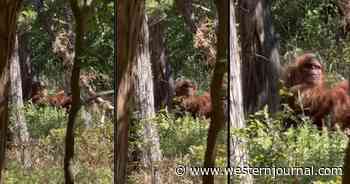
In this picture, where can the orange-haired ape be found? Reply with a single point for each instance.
(185, 92)
(185, 88)
(305, 78)
(341, 104)
(60, 100)
(198, 105)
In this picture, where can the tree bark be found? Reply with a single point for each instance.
(145, 105)
(260, 56)
(346, 167)
(81, 11)
(129, 19)
(161, 69)
(238, 147)
(20, 126)
(25, 64)
(8, 19)
(217, 116)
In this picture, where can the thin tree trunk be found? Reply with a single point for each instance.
(69, 150)
(8, 19)
(20, 126)
(145, 98)
(260, 56)
(4, 86)
(346, 167)
(81, 14)
(238, 147)
(25, 65)
(161, 69)
(129, 18)
(217, 116)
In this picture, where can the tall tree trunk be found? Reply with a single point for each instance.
(129, 20)
(217, 116)
(161, 69)
(81, 11)
(25, 62)
(346, 167)
(69, 150)
(145, 104)
(8, 19)
(238, 147)
(20, 126)
(260, 56)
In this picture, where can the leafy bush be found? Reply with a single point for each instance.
(93, 153)
(273, 145)
(178, 134)
(41, 120)
(50, 175)
(183, 141)
(186, 137)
